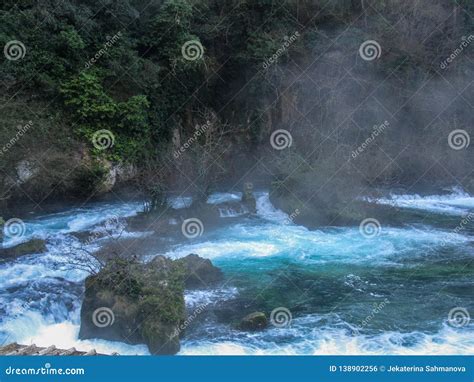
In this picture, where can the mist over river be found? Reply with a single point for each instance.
(391, 292)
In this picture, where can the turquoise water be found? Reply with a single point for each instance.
(346, 293)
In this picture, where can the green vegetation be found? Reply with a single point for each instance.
(147, 302)
(264, 65)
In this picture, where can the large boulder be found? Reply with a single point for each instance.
(254, 321)
(135, 303)
(140, 303)
(199, 272)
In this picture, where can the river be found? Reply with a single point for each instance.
(342, 292)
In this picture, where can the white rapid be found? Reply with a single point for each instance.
(456, 202)
(40, 295)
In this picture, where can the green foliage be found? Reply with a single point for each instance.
(119, 276)
(72, 39)
(94, 109)
(119, 66)
(87, 98)
(87, 179)
(170, 28)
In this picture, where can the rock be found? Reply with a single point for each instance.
(254, 321)
(115, 174)
(30, 247)
(248, 199)
(125, 172)
(199, 272)
(25, 170)
(110, 177)
(140, 303)
(135, 303)
(231, 311)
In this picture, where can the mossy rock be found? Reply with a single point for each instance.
(144, 303)
(160, 337)
(199, 272)
(27, 248)
(253, 322)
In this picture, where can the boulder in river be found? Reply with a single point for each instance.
(135, 303)
(254, 321)
(140, 303)
(248, 199)
(199, 272)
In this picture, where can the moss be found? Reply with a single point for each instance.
(149, 297)
(166, 307)
(159, 339)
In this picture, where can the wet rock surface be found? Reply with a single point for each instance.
(138, 303)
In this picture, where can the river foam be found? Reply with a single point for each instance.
(40, 295)
(312, 335)
(456, 202)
